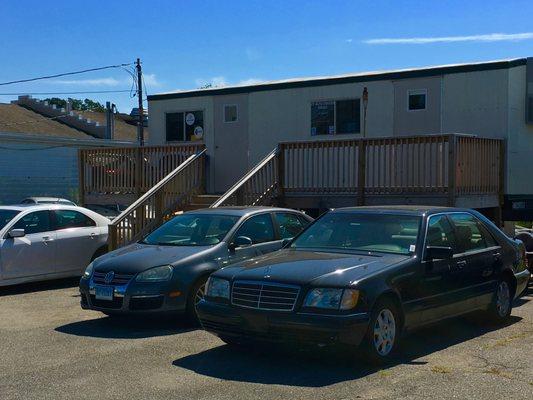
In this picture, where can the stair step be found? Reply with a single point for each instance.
(205, 199)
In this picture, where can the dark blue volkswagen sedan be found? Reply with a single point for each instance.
(167, 270)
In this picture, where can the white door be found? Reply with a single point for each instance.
(32, 254)
(78, 238)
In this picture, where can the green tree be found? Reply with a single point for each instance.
(77, 104)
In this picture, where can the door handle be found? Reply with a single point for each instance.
(47, 239)
(460, 264)
(92, 235)
(497, 255)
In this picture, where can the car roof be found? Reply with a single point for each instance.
(239, 211)
(45, 198)
(24, 207)
(400, 209)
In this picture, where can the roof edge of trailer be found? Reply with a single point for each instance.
(348, 78)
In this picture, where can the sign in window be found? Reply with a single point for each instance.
(184, 126)
(335, 117)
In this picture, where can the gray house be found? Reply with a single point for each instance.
(240, 125)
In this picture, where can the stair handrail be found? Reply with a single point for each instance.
(157, 187)
(231, 191)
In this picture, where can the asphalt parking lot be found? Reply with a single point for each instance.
(51, 349)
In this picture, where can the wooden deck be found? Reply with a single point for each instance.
(122, 175)
(447, 170)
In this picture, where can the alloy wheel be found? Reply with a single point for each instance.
(199, 295)
(384, 332)
(503, 299)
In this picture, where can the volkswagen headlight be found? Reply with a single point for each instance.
(217, 287)
(332, 299)
(157, 274)
(88, 271)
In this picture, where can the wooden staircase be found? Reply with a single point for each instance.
(201, 201)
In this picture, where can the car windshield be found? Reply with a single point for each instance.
(192, 230)
(365, 232)
(6, 216)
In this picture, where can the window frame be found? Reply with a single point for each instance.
(415, 92)
(455, 255)
(184, 111)
(20, 217)
(275, 228)
(296, 215)
(55, 227)
(224, 113)
(335, 100)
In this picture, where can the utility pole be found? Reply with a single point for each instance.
(140, 98)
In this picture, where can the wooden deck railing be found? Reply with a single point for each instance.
(160, 202)
(129, 170)
(443, 165)
(258, 187)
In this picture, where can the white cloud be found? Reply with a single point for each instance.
(349, 40)
(149, 80)
(221, 81)
(91, 82)
(491, 37)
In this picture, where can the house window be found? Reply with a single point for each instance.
(230, 113)
(417, 100)
(185, 126)
(335, 117)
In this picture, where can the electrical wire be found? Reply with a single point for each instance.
(65, 74)
(52, 93)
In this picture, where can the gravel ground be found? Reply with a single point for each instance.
(51, 349)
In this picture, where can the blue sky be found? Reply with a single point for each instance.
(185, 44)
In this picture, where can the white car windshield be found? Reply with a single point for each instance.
(192, 230)
(367, 232)
(6, 216)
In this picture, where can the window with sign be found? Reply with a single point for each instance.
(335, 117)
(185, 126)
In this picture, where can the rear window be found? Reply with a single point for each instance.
(6, 216)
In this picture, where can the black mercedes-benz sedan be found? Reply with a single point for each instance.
(167, 270)
(362, 276)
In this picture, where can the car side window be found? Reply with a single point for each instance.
(65, 219)
(440, 232)
(289, 225)
(258, 228)
(35, 222)
(471, 235)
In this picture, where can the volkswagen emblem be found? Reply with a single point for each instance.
(109, 277)
(267, 273)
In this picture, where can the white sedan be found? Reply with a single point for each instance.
(40, 242)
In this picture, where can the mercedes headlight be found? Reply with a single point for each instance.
(157, 274)
(332, 299)
(217, 287)
(88, 271)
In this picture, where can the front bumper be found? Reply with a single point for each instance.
(522, 280)
(134, 298)
(282, 327)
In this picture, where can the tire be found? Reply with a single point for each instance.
(502, 303)
(195, 295)
(383, 334)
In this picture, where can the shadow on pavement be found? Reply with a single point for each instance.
(321, 368)
(125, 327)
(39, 286)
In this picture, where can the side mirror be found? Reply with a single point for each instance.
(16, 233)
(438, 253)
(241, 241)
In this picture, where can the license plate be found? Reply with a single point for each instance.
(103, 293)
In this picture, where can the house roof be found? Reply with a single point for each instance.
(123, 130)
(17, 119)
(348, 78)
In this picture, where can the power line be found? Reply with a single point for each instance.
(80, 92)
(66, 74)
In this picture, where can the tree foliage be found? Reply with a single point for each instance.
(77, 104)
